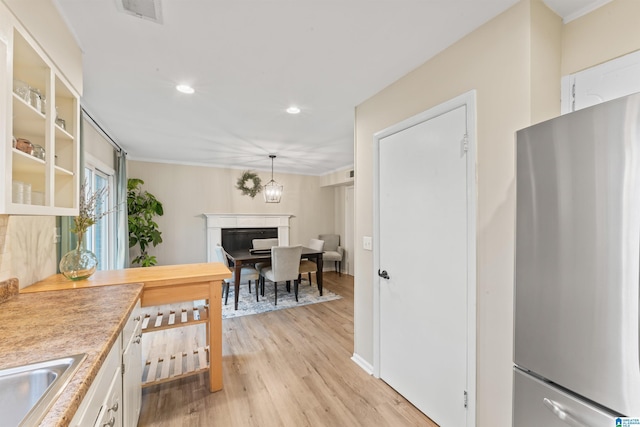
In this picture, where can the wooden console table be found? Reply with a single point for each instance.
(165, 285)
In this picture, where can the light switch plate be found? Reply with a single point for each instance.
(367, 243)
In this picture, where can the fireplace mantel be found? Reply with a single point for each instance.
(216, 222)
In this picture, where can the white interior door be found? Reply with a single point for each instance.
(423, 245)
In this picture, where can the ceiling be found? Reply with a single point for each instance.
(248, 61)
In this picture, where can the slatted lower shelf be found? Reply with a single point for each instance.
(168, 368)
(174, 318)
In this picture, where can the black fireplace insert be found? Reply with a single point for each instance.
(240, 238)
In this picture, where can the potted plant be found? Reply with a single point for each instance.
(80, 263)
(142, 207)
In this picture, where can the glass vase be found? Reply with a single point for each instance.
(79, 263)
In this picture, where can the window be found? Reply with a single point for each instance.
(100, 239)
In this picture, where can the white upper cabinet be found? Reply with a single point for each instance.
(604, 82)
(40, 147)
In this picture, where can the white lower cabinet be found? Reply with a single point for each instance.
(115, 396)
(104, 397)
(111, 411)
(132, 369)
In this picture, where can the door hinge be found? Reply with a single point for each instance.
(123, 372)
(466, 399)
(464, 144)
(573, 96)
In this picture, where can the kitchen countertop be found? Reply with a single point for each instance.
(40, 326)
(165, 284)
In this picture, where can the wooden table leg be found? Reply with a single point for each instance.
(208, 324)
(236, 282)
(215, 336)
(319, 273)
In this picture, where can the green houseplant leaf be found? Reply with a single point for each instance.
(142, 207)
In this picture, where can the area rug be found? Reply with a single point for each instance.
(247, 304)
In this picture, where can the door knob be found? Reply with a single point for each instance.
(383, 274)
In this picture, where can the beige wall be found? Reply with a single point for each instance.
(340, 225)
(340, 177)
(340, 181)
(608, 32)
(546, 58)
(507, 63)
(187, 192)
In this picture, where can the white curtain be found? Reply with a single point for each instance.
(122, 222)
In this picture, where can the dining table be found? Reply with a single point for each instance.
(244, 257)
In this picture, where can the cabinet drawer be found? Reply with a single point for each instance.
(133, 326)
(110, 414)
(90, 408)
(537, 404)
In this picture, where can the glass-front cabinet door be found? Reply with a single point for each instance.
(41, 152)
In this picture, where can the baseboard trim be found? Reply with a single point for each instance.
(366, 366)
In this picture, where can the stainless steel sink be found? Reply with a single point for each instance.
(27, 392)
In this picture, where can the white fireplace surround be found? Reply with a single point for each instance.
(216, 222)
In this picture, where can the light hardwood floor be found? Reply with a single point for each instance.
(285, 368)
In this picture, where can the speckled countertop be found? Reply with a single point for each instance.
(40, 326)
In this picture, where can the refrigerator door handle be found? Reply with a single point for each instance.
(562, 414)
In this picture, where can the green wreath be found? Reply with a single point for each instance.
(244, 179)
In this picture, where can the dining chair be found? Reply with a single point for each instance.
(246, 273)
(263, 244)
(285, 267)
(308, 266)
(332, 250)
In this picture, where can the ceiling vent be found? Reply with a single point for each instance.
(145, 9)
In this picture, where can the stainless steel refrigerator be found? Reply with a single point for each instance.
(577, 337)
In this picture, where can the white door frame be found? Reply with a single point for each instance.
(349, 221)
(467, 99)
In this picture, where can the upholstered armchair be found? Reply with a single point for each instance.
(332, 250)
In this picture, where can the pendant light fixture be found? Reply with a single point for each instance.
(272, 191)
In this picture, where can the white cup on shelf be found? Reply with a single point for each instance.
(17, 192)
(26, 193)
(37, 198)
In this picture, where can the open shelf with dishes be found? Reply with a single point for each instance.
(41, 149)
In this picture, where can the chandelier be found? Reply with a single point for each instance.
(272, 191)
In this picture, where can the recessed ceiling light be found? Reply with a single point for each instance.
(185, 89)
(293, 110)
